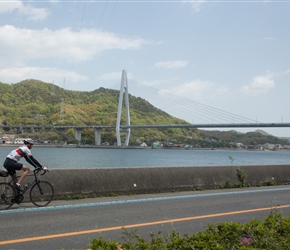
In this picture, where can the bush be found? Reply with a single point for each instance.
(272, 233)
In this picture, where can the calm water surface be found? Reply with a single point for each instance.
(116, 158)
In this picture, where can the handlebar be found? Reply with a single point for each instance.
(37, 170)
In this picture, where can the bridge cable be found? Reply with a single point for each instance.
(185, 108)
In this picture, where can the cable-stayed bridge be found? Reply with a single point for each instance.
(196, 115)
(204, 116)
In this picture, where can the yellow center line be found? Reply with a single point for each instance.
(138, 225)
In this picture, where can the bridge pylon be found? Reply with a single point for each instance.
(123, 92)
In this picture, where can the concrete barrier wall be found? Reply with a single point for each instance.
(108, 181)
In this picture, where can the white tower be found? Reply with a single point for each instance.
(123, 91)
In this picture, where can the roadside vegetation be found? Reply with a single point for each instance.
(271, 233)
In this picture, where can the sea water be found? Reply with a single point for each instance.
(56, 158)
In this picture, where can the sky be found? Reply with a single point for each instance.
(231, 55)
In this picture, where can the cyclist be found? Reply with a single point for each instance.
(12, 161)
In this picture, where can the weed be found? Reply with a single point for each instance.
(112, 194)
(241, 176)
(268, 183)
(232, 159)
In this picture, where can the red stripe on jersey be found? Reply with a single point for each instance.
(19, 152)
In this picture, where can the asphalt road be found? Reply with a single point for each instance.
(74, 224)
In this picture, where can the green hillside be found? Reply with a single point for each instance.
(33, 102)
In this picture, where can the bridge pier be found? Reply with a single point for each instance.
(98, 132)
(78, 134)
(25, 130)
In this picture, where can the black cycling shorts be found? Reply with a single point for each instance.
(12, 166)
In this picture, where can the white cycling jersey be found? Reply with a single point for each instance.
(18, 153)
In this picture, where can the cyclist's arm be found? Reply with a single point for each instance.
(30, 159)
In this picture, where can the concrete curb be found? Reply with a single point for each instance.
(124, 181)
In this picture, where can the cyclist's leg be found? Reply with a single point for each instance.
(14, 177)
(10, 167)
(26, 171)
(13, 166)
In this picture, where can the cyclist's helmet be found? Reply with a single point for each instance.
(28, 141)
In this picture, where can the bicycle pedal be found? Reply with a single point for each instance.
(19, 198)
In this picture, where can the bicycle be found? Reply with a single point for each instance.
(41, 192)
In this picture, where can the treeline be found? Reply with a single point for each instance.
(230, 139)
(33, 102)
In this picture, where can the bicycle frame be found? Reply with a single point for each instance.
(35, 172)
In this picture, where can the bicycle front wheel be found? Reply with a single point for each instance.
(7, 195)
(41, 193)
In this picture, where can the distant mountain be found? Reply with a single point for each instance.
(261, 132)
(267, 134)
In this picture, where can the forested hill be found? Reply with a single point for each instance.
(33, 102)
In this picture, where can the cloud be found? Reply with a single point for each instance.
(196, 5)
(259, 85)
(113, 76)
(170, 64)
(16, 74)
(10, 6)
(199, 90)
(32, 13)
(269, 38)
(110, 76)
(155, 82)
(63, 44)
(29, 53)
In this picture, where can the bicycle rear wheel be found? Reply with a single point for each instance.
(7, 195)
(41, 193)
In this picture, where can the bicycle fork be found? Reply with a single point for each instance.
(39, 187)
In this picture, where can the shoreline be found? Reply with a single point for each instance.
(134, 147)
